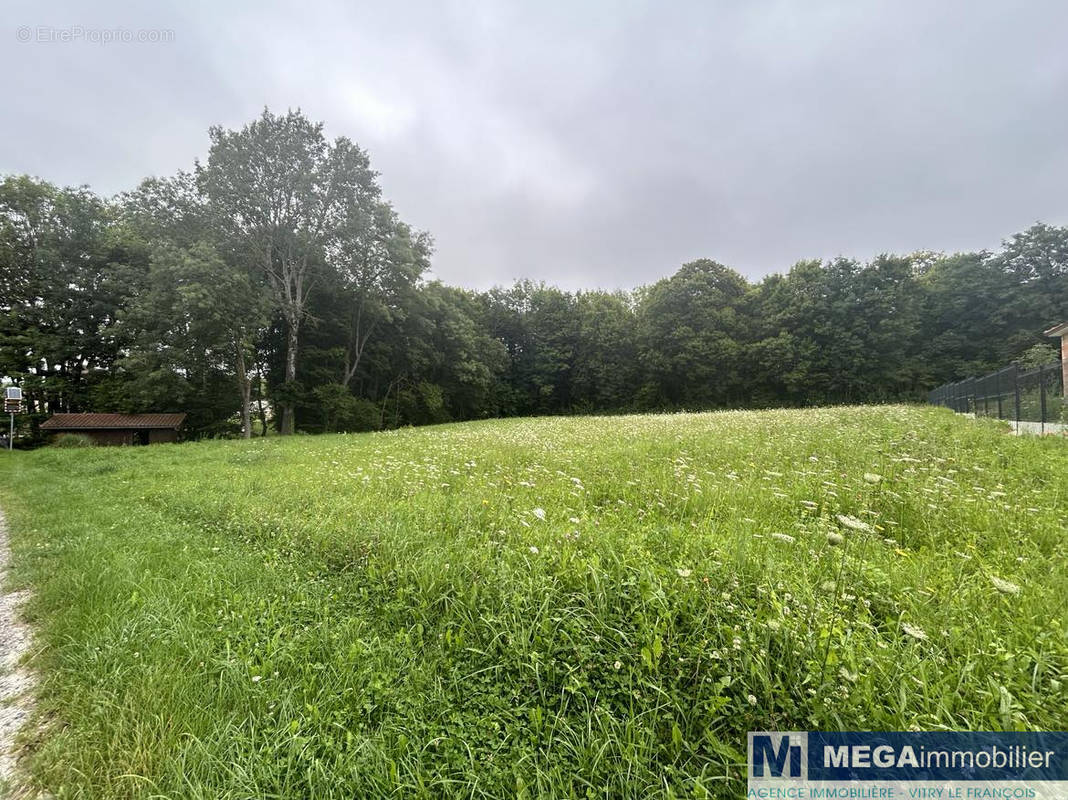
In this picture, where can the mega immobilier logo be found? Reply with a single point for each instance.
(876, 764)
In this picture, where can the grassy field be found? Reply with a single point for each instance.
(566, 607)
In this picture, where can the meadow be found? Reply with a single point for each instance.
(591, 607)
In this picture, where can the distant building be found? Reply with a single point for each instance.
(118, 429)
(1061, 332)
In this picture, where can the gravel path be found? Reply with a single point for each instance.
(16, 682)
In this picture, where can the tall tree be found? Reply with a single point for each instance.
(691, 336)
(194, 324)
(200, 308)
(378, 271)
(65, 274)
(288, 200)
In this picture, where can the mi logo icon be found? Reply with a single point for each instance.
(778, 756)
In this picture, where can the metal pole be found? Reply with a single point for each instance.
(1016, 391)
(997, 388)
(1042, 396)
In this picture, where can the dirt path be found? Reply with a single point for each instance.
(16, 682)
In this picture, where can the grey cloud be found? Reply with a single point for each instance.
(596, 144)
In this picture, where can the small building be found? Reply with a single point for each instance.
(1061, 332)
(118, 429)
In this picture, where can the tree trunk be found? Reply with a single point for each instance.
(245, 386)
(288, 413)
(261, 412)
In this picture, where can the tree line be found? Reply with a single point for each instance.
(273, 287)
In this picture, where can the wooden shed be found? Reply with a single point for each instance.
(118, 429)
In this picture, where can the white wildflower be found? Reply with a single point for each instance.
(257, 678)
(752, 700)
(851, 522)
(684, 573)
(834, 539)
(534, 550)
(914, 631)
(784, 537)
(618, 664)
(539, 513)
(1003, 586)
(872, 477)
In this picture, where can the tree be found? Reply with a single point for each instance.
(691, 336)
(605, 373)
(197, 309)
(965, 320)
(290, 202)
(454, 359)
(66, 273)
(195, 322)
(1036, 262)
(377, 273)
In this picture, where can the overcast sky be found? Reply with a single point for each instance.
(588, 144)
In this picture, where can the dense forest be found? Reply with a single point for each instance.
(273, 287)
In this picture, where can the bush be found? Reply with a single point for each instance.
(72, 440)
(343, 411)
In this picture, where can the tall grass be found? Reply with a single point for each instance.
(595, 607)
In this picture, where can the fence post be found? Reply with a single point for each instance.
(1042, 396)
(1016, 392)
(997, 388)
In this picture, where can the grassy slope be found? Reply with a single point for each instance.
(354, 615)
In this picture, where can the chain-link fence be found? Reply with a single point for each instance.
(1032, 399)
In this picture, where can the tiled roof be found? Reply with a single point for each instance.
(84, 422)
(1057, 330)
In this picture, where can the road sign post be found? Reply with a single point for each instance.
(13, 406)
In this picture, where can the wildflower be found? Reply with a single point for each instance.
(872, 477)
(835, 539)
(752, 700)
(539, 513)
(914, 631)
(533, 549)
(573, 520)
(257, 678)
(784, 537)
(618, 664)
(851, 522)
(1003, 586)
(684, 573)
